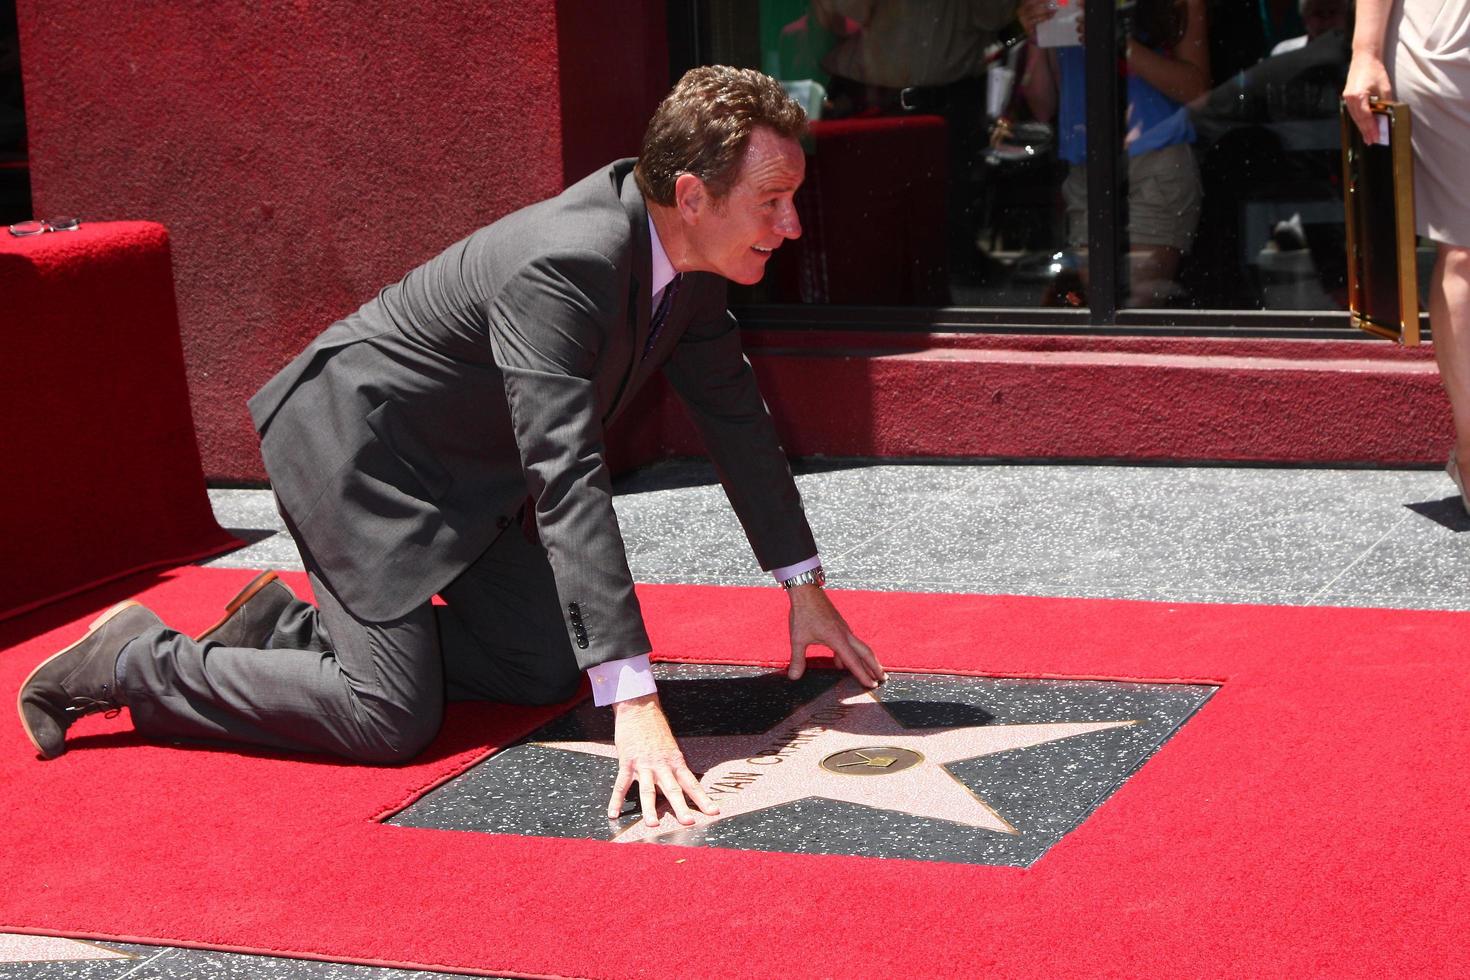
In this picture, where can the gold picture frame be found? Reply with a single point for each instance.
(1378, 202)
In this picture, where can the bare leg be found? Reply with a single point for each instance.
(1152, 268)
(1449, 320)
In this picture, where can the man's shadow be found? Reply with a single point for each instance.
(698, 706)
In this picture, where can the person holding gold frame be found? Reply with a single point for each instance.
(1418, 52)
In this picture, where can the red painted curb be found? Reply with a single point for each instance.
(1091, 398)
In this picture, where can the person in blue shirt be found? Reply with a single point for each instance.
(1167, 60)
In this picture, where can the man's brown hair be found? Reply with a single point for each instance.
(703, 125)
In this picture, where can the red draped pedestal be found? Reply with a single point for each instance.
(101, 473)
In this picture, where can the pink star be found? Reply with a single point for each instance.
(745, 773)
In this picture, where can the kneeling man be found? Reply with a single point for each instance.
(447, 438)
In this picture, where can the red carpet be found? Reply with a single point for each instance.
(1311, 820)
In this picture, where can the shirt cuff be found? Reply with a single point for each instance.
(782, 574)
(619, 680)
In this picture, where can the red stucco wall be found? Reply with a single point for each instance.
(304, 154)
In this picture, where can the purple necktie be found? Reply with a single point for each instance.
(660, 314)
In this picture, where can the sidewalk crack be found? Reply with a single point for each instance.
(1359, 560)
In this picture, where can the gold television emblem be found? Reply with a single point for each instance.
(877, 761)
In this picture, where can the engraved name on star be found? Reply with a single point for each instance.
(871, 760)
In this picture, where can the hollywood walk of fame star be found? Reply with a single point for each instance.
(870, 759)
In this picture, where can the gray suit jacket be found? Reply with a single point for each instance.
(408, 435)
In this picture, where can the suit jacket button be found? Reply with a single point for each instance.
(502, 522)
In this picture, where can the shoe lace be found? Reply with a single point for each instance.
(85, 706)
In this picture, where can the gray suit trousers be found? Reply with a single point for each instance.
(326, 681)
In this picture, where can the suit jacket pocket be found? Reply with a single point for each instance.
(396, 435)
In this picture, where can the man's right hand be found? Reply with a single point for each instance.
(648, 753)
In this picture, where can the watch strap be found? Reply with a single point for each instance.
(814, 576)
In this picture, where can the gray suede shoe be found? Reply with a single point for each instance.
(80, 679)
(251, 616)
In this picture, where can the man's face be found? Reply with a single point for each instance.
(736, 236)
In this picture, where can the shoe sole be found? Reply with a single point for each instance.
(246, 594)
(97, 624)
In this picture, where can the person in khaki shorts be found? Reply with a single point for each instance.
(1168, 66)
(1163, 212)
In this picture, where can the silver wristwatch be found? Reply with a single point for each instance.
(813, 576)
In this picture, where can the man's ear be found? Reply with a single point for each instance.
(691, 197)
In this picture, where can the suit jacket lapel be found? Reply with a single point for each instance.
(642, 262)
(641, 249)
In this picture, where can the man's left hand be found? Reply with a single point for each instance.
(815, 620)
